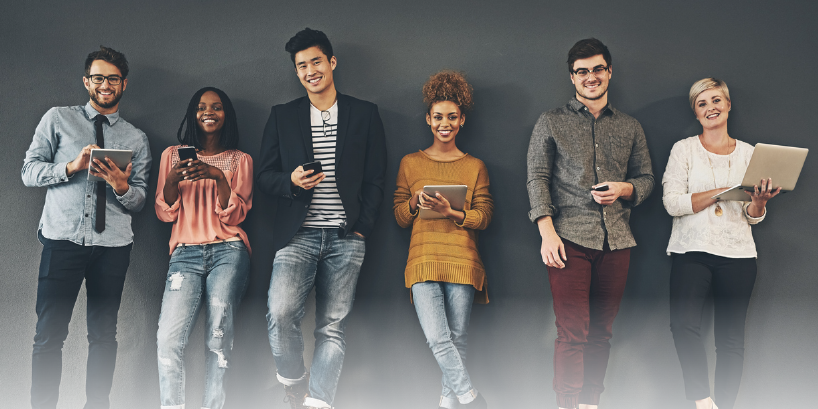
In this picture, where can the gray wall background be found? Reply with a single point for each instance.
(513, 53)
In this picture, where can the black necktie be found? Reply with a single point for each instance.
(99, 223)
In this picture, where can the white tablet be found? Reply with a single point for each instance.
(121, 158)
(781, 163)
(455, 194)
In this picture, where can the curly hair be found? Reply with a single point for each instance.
(448, 86)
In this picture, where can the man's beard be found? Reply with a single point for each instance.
(602, 94)
(93, 94)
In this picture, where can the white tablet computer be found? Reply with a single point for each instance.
(455, 194)
(120, 157)
(781, 163)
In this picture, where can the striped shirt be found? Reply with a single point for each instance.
(326, 209)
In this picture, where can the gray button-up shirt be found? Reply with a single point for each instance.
(569, 152)
(70, 203)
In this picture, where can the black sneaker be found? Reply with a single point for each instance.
(477, 403)
(296, 394)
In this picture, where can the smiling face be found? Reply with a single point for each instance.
(210, 114)
(314, 70)
(592, 87)
(445, 119)
(104, 97)
(712, 108)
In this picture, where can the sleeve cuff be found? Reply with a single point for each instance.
(542, 211)
(63, 175)
(409, 211)
(128, 199)
(751, 219)
(686, 203)
(231, 206)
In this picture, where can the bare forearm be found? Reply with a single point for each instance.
(171, 192)
(224, 192)
(702, 200)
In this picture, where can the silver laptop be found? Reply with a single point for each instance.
(455, 194)
(781, 163)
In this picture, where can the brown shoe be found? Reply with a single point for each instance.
(296, 394)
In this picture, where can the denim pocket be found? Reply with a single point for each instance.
(355, 236)
(236, 245)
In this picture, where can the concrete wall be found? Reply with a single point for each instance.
(514, 55)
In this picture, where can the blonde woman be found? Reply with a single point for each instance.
(711, 244)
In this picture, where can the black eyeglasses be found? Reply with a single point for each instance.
(99, 79)
(325, 116)
(582, 73)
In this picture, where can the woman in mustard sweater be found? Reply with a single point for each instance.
(444, 272)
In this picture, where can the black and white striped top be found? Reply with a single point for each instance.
(325, 208)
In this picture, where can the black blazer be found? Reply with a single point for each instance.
(360, 164)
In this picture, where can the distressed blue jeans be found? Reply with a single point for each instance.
(209, 275)
(319, 258)
(444, 310)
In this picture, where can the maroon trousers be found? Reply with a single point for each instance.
(586, 296)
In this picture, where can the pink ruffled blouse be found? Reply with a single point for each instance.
(196, 215)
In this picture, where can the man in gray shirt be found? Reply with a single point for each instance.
(85, 227)
(588, 165)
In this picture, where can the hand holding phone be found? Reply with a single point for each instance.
(187, 152)
(601, 188)
(314, 166)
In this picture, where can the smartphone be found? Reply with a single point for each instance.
(315, 166)
(187, 152)
(601, 188)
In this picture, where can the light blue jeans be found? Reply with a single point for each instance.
(444, 310)
(214, 275)
(320, 258)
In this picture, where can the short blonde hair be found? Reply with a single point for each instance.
(704, 85)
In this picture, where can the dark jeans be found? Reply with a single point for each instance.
(692, 276)
(586, 293)
(63, 267)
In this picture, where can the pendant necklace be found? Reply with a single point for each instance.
(719, 212)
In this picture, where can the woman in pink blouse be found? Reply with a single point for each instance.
(206, 199)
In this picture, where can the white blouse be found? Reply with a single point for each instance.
(689, 171)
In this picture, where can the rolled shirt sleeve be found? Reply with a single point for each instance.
(540, 160)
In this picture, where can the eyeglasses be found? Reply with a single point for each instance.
(582, 73)
(99, 79)
(325, 116)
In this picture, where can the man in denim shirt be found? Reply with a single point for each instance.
(588, 165)
(83, 237)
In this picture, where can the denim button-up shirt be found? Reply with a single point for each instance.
(70, 203)
(569, 152)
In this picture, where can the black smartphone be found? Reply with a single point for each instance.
(315, 166)
(601, 188)
(187, 152)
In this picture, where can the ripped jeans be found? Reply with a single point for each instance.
(210, 275)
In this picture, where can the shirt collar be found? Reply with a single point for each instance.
(91, 113)
(580, 107)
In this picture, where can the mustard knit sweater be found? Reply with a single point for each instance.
(440, 249)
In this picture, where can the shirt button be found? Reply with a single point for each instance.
(306, 206)
(88, 196)
(597, 168)
(86, 214)
(596, 144)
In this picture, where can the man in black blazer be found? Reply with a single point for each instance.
(323, 215)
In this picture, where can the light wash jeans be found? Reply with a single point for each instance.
(213, 275)
(320, 258)
(444, 310)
